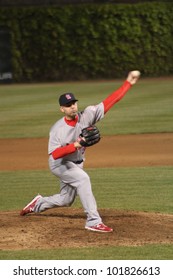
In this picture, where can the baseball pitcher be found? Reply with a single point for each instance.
(68, 139)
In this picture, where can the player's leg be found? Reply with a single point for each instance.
(73, 181)
(80, 180)
(65, 198)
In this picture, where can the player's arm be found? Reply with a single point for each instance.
(66, 150)
(117, 95)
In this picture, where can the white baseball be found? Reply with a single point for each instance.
(136, 73)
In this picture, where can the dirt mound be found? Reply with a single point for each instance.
(64, 227)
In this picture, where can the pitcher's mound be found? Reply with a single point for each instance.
(64, 227)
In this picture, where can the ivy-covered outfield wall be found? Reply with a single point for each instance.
(89, 41)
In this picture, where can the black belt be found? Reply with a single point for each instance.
(78, 161)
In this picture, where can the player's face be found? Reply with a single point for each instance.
(70, 110)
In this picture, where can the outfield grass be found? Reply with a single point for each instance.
(30, 110)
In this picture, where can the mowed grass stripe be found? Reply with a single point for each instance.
(30, 110)
(142, 189)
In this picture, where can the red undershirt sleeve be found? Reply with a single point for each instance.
(63, 151)
(116, 96)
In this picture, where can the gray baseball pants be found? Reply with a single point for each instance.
(73, 181)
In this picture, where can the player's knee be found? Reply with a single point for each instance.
(70, 201)
(85, 179)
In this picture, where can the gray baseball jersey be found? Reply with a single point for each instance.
(73, 179)
(61, 134)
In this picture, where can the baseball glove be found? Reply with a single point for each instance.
(89, 136)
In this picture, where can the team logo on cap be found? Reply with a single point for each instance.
(68, 96)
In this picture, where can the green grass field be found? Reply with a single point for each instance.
(30, 110)
(141, 189)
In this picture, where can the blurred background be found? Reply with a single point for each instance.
(54, 40)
